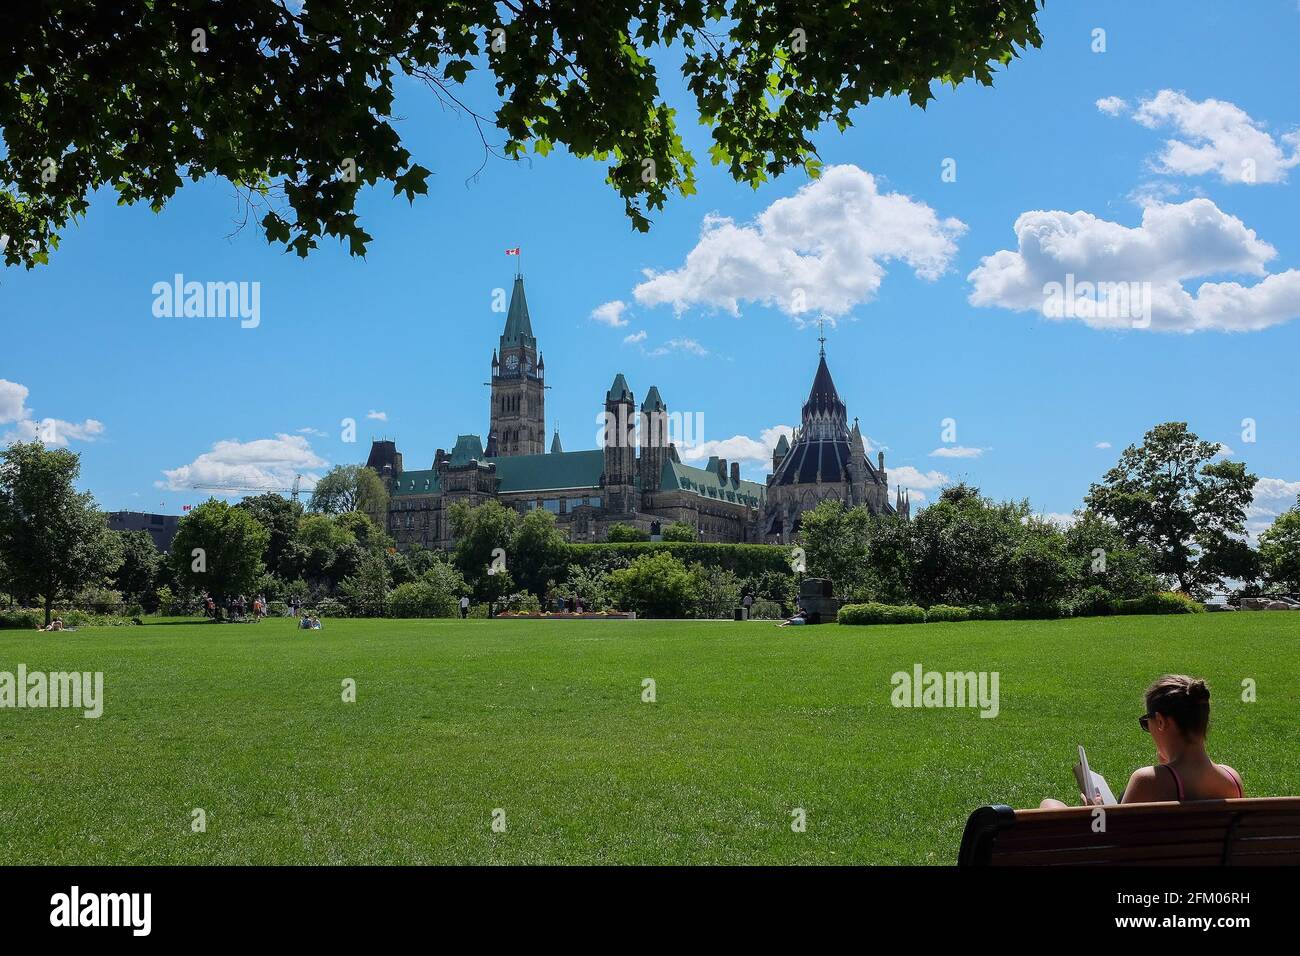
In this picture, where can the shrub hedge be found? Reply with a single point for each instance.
(1166, 602)
(744, 560)
(873, 613)
(946, 612)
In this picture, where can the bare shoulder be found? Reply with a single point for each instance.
(1231, 771)
(1144, 786)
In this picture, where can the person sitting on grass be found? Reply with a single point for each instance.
(1177, 718)
(800, 617)
(54, 625)
(305, 623)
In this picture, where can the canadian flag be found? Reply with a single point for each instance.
(513, 252)
(186, 507)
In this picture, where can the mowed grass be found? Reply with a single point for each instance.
(545, 721)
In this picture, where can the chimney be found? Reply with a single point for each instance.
(722, 469)
(880, 457)
(735, 472)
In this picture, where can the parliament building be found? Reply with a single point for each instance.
(637, 478)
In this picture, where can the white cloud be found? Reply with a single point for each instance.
(313, 431)
(1276, 488)
(53, 432)
(377, 416)
(610, 313)
(686, 346)
(1217, 137)
(13, 398)
(1058, 518)
(1102, 444)
(916, 482)
(957, 451)
(741, 448)
(1112, 105)
(264, 461)
(634, 338)
(1173, 244)
(1223, 451)
(821, 250)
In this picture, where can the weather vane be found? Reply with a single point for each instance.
(821, 333)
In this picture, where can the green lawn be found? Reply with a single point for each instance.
(545, 720)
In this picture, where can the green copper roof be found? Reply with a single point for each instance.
(706, 484)
(581, 469)
(468, 447)
(519, 327)
(416, 483)
(569, 469)
(619, 391)
(556, 447)
(653, 403)
(782, 445)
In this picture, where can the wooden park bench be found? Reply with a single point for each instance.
(1255, 831)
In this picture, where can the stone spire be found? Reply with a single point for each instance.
(519, 327)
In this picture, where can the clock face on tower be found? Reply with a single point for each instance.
(512, 362)
(528, 365)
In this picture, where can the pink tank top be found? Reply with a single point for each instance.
(1232, 774)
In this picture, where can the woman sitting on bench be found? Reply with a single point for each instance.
(1177, 718)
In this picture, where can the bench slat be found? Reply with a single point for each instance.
(1258, 831)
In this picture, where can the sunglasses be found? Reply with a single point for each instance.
(1145, 722)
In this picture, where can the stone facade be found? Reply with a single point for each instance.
(637, 477)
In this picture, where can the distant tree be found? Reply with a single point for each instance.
(1104, 559)
(717, 591)
(620, 533)
(295, 104)
(964, 546)
(280, 516)
(365, 592)
(218, 548)
(538, 551)
(834, 539)
(654, 585)
(346, 488)
(1170, 495)
(1279, 550)
(589, 584)
(136, 577)
(436, 594)
(479, 532)
(1042, 568)
(680, 531)
(54, 540)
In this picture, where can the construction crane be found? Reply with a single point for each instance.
(292, 492)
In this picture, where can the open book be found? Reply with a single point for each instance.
(1092, 784)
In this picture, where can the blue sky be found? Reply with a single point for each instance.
(408, 332)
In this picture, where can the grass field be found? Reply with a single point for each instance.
(545, 720)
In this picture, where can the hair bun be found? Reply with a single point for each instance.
(1198, 690)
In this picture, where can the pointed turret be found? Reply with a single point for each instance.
(654, 442)
(778, 454)
(823, 398)
(519, 327)
(556, 447)
(619, 476)
(619, 391)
